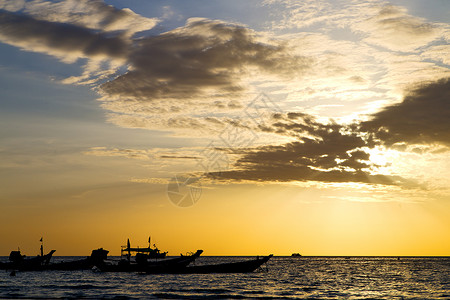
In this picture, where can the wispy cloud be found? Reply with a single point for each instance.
(144, 154)
(439, 53)
(392, 27)
(116, 152)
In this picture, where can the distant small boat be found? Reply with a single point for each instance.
(235, 267)
(296, 254)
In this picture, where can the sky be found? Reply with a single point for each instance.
(237, 127)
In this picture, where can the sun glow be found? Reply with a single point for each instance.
(381, 156)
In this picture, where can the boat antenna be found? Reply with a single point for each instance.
(149, 239)
(42, 245)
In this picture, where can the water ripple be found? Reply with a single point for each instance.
(287, 278)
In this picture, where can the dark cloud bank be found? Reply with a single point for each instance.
(204, 58)
(337, 153)
(422, 118)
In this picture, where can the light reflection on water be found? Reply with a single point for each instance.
(287, 277)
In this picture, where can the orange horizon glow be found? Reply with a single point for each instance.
(220, 225)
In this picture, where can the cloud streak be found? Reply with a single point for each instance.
(66, 41)
(92, 14)
(392, 27)
(69, 30)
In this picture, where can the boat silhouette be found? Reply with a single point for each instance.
(97, 257)
(152, 267)
(141, 263)
(148, 251)
(20, 262)
(234, 267)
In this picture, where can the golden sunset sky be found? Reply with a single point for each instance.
(237, 127)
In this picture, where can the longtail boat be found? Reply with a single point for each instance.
(234, 267)
(154, 267)
(20, 262)
(97, 257)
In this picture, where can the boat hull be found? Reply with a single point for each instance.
(236, 267)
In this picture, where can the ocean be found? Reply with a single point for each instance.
(281, 278)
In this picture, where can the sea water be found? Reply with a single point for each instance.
(282, 277)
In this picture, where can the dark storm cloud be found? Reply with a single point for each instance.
(43, 36)
(203, 58)
(423, 117)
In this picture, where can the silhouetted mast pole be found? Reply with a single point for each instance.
(129, 251)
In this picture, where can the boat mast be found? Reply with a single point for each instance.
(42, 246)
(129, 251)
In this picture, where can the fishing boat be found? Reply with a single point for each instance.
(154, 267)
(234, 267)
(97, 257)
(150, 252)
(20, 262)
